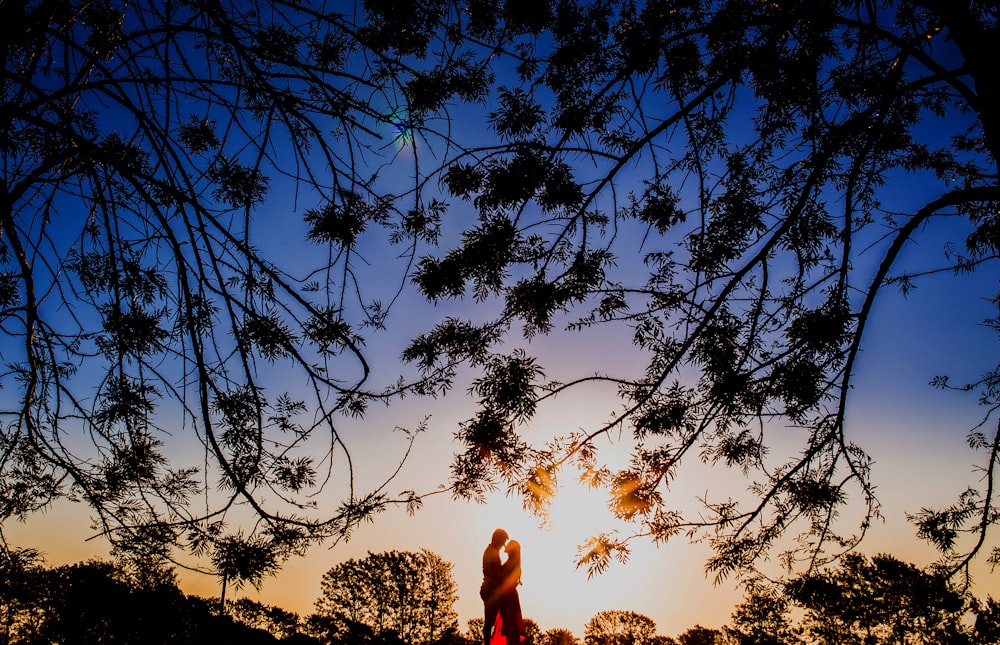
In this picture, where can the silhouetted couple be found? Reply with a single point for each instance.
(502, 620)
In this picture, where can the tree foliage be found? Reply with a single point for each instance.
(619, 627)
(95, 602)
(862, 600)
(699, 635)
(762, 617)
(770, 140)
(721, 182)
(409, 595)
(280, 623)
(141, 305)
(882, 600)
(558, 636)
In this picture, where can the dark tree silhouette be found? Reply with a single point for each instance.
(280, 623)
(699, 635)
(410, 595)
(882, 600)
(94, 602)
(986, 628)
(474, 629)
(865, 601)
(762, 617)
(619, 627)
(558, 636)
(772, 144)
(750, 159)
(533, 633)
(140, 295)
(660, 639)
(21, 594)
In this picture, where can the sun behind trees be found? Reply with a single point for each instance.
(210, 214)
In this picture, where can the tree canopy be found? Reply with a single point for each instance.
(95, 602)
(862, 600)
(410, 595)
(883, 598)
(619, 627)
(750, 159)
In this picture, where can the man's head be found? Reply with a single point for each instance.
(499, 538)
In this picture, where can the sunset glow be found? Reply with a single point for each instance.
(693, 300)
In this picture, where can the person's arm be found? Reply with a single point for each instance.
(491, 565)
(509, 575)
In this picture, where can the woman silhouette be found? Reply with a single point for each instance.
(510, 624)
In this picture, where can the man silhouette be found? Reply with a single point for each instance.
(491, 582)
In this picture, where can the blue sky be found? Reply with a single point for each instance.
(914, 433)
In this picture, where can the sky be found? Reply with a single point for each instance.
(916, 435)
(914, 432)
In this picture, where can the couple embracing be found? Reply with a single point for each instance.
(502, 621)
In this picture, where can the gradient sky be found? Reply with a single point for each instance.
(914, 432)
(916, 435)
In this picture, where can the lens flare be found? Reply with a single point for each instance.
(402, 134)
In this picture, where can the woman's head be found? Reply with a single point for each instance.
(513, 548)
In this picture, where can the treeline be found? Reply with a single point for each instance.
(100, 602)
(407, 598)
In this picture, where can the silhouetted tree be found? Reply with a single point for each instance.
(21, 594)
(533, 634)
(89, 603)
(660, 639)
(882, 600)
(558, 636)
(619, 627)
(699, 635)
(869, 602)
(452, 636)
(762, 617)
(474, 629)
(740, 155)
(337, 628)
(143, 568)
(141, 141)
(411, 595)
(746, 153)
(274, 620)
(986, 628)
(96, 602)
(239, 560)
